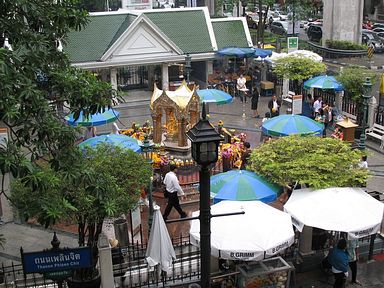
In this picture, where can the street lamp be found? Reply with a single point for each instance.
(205, 149)
(147, 150)
(244, 4)
(367, 88)
(188, 67)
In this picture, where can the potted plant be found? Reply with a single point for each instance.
(98, 183)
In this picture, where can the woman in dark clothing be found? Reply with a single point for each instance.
(255, 101)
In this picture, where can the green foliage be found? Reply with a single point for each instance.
(297, 68)
(317, 162)
(37, 81)
(353, 78)
(344, 45)
(103, 182)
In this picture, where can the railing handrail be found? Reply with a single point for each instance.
(337, 52)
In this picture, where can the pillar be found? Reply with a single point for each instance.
(372, 108)
(157, 131)
(209, 70)
(113, 73)
(105, 261)
(339, 101)
(165, 77)
(334, 25)
(181, 137)
(305, 241)
(285, 86)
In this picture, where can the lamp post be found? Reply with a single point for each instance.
(244, 4)
(367, 88)
(188, 67)
(147, 150)
(205, 149)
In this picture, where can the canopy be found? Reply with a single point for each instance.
(289, 124)
(160, 248)
(261, 232)
(236, 52)
(297, 53)
(122, 141)
(323, 82)
(342, 209)
(262, 53)
(97, 119)
(242, 185)
(214, 96)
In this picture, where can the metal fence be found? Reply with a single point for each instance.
(349, 106)
(379, 117)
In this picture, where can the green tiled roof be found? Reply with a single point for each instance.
(187, 29)
(229, 34)
(92, 42)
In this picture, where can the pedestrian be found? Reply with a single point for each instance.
(255, 101)
(90, 132)
(363, 162)
(352, 246)
(274, 106)
(173, 190)
(338, 258)
(317, 105)
(115, 129)
(245, 155)
(241, 87)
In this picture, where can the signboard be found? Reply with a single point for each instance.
(293, 44)
(135, 216)
(297, 104)
(58, 260)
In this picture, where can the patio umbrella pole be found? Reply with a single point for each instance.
(205, 226)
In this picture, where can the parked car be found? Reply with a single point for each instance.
(279, 27)
(315, 33)
(378, 29)
(378, 25)
(252, 21)
(372, 39)
(318, 22)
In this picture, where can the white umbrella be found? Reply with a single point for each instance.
(261, 232)
(341, 209)
(160, 249)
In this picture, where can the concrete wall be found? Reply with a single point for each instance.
(342, 20)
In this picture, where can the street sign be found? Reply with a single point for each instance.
(293, 44)
(53, 261)
(370, 51)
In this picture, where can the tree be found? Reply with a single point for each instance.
(314, 161)
(352, 79)
(297, 68)
(37, 81)
(107, 183)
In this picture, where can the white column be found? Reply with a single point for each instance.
(105, 261)
(165, 76)
(372, 108)
(305, 241)
(335, 27)
(285, 86)
(113, 73)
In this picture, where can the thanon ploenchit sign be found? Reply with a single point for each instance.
(63, 259)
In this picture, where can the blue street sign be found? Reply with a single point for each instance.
(59, 260)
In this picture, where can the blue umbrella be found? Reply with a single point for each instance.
(289, 124)
(122, 141)
(262, 53)
(214, 96)
(97, 119)
(236, 52)
(323, 82)
(242, 185)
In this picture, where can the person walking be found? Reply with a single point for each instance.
(274, 106)
(352, 246)
(242, 88)
(317, 105)
(338, 258)
(174, 190)
(255, 101)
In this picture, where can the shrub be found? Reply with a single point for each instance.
(344, 45)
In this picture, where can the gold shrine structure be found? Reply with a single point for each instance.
(181, 109)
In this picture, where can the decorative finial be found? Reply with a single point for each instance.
(55, 242)
(204, 113)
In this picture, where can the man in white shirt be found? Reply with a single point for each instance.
(242, 88)
(317, 105)
(174, 191)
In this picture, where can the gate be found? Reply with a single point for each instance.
(132, 77)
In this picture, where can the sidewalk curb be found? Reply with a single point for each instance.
(372, 67)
